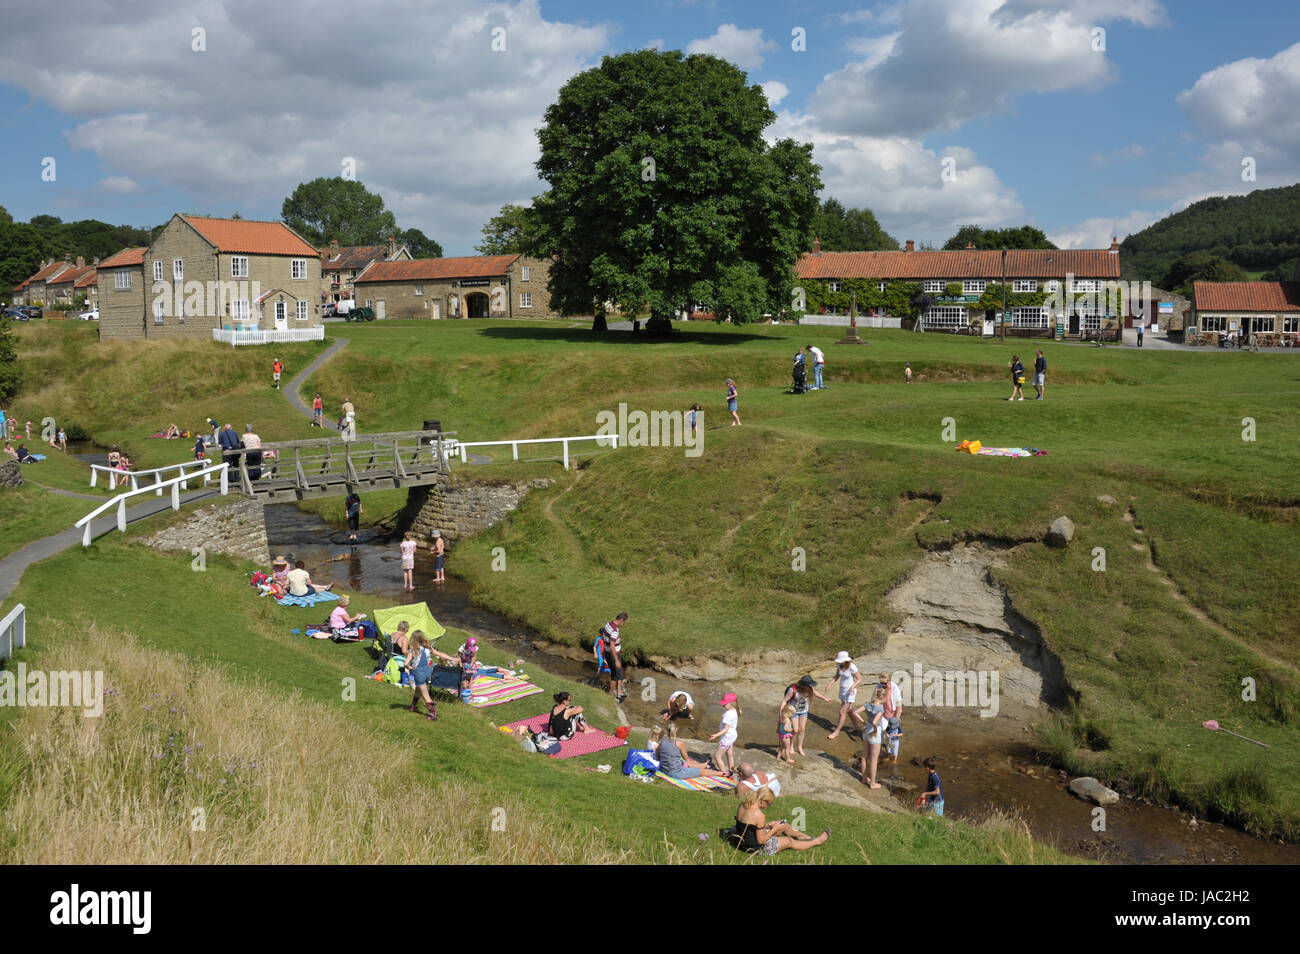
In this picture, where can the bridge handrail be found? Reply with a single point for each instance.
(514, 445)
(175, 484)
(116, 476)
(13, 631)
(387, 436)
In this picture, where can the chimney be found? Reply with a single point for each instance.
(392, 248)
(970, 244)
(910, 246)
(1114, 245)
(817, 245)
(81, 261)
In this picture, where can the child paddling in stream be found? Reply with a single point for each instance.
(728, 731)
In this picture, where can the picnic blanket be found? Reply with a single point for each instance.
(312, 600)
(1010, 452)
(495, 690)
(702, 783)
(584, 743)
(417, 616)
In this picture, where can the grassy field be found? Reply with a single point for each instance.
(862, 477)
(226, 717)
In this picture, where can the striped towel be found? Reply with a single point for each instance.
(488, 690)
(701, 783)
(1005, 452)
(312, 600)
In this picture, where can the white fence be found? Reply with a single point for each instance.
(842, 321)
(175, 484)
(257, 336)
(116, 476)
(610, 440)
(13, 631)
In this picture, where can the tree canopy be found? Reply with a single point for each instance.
(419, 244)
(506, 233)
(1025, 236)
(338, 208)
(1200, 267)
(663, 192)
(850, 230)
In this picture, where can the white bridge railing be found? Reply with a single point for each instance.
(610, 440)
(175, 484)
(13, 631)
(116, 476)
(256, 336)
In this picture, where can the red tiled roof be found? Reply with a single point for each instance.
(90, 278)
(1246, 296)
(970, 263)
(51, 269)
(253, 238)
(128, 256)
(71, 275)
(353, 256)
(438, 269)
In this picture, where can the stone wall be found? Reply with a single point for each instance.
(460, 508)
(11, 473)
(237, 530)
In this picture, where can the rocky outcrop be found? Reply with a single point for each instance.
(11, 474)
(1061, 532)
(460, 508)
(237, 530)
(1091, 790)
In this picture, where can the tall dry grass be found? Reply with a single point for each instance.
(187, 765)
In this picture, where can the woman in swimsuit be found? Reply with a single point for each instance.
(566, 718)
(757, 836)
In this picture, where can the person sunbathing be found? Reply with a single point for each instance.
(673, 762)
(300, 582)
(9, 449)
(566, 718)
(23, 456)
(173, 433)
(756, 835)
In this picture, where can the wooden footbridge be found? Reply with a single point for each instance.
(330, 466)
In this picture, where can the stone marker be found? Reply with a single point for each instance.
(1061, 532)
(11, 474)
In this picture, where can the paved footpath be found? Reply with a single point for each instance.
(295, 383)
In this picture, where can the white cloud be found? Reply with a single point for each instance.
(1248, 108)
(775, 91)
(118, 185)
(745, 48)
(439, 124)
(656, 44)
(952, 60)
(902, 181)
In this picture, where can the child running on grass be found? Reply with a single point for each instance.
(728, 731)
(933, 794)
(417, 664)
(408, 547)
(785, 735)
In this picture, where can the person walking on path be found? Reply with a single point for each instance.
(611, 634)
(819, 365)
(353, 508)
(317, 411)
(348, 421)
(1017, 378)
(800, 695)
(276, 369)
(733, 402)
(438, 547)
(848, 678)
(199, 448)
(1040, 374)
(1141, 327)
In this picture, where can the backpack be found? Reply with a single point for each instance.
(393, 673)
(546, 743)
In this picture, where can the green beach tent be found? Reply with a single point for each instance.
(417, 616)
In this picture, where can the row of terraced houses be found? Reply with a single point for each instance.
(202, 275)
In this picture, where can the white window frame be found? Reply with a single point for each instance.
(1025, 285)
(159, 310)
(1086, 285)
(524, 273)
(1034, 317)
(1257, 324)
(1053, 287)
(881, 286)
(239, 266)
(302, 310)
(122, 279)
(241, 311)
(1214, 322)
(525, 299)
(1090, 321)
(298, 269)
(946, 316)
(833, 285)
(933, 287)
(178, 269)
(158, 270)
(974, 286)
(281, 311)
(419, 290)
(1290, 324)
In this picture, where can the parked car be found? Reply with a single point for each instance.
(34, 311)
(92, 315)
(361, 314)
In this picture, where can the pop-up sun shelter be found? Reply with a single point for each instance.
(417, 616)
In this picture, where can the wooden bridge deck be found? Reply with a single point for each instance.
(332, 466)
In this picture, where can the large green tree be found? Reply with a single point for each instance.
(9, 373)
(662, 188)
(1200, 267)
(21, 250)
(419, 244)
(338, 208)
(851, 230)
(506, 233)
(1024, 236)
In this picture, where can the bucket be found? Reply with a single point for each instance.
(465, 695)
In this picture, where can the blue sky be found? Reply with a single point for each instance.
(1013, 98)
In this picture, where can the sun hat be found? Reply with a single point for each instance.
(728, 699)
(280, 560)
(843, 657)
(437, 533)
